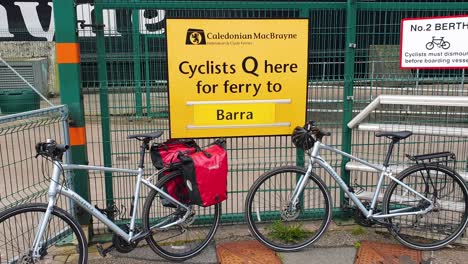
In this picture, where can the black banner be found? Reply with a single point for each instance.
(33, 20)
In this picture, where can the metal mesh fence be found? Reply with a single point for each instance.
(25, 178)
(124, 82)
(133, 96)
(436, 128)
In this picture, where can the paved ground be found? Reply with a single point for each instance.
(338, 246)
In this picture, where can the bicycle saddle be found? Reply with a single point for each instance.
(395, 135)
(148, 136)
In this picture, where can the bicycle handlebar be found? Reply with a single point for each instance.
(51, 149)
(315, 130)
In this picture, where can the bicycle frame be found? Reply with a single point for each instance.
(384, 172)
(55, 188)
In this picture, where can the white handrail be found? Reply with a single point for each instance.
(461, 101)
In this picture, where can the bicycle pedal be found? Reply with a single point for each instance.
(104, 251)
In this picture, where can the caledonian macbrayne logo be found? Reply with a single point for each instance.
(195, 37)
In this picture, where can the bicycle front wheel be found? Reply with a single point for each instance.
(63, 240)
(279, 224)
(441, 225)
(185, 239)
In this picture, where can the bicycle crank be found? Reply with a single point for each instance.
(121, 245)
(360, 218)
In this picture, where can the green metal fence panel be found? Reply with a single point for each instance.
(378, 73)
(353, 58)
(125, 88)
(25, 178)
(129, 92)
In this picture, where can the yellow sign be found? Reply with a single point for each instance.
(236, 77)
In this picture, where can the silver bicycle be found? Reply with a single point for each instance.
(424, 206)
(45, 233)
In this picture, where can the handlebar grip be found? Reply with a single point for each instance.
(51, 149)
(62, 147)
(315, 130)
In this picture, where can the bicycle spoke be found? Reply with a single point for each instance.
(278, 223)
(448, 216)
(18, 228)
(185, 239)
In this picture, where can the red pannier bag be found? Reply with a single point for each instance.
(166, 155)
(205, 174)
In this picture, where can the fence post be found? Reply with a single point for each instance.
(348, 88)
(300, 157)
(68, 61)
(104, 106)
(137, 61)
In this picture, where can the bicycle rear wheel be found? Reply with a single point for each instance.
(440, 226)
(272, 220)
(62, 242)
(184, 240)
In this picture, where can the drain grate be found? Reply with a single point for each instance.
(372, 252)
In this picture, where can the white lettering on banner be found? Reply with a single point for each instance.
(31, 19)
(4, 30)
(84, 14)
(145, 22)
(110, 20)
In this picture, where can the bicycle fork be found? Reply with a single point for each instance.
(299, 188)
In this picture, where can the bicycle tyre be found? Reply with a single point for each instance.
(438, 227)
(268, 219)
(174, 243)
(18, 226)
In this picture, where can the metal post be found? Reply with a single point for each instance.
(68, 60)
(300, 161)
(372, 76)
(136, 61)
(417, 78)
(104, 103)
(348, 88)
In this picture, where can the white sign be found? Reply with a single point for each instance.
(434, 43)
